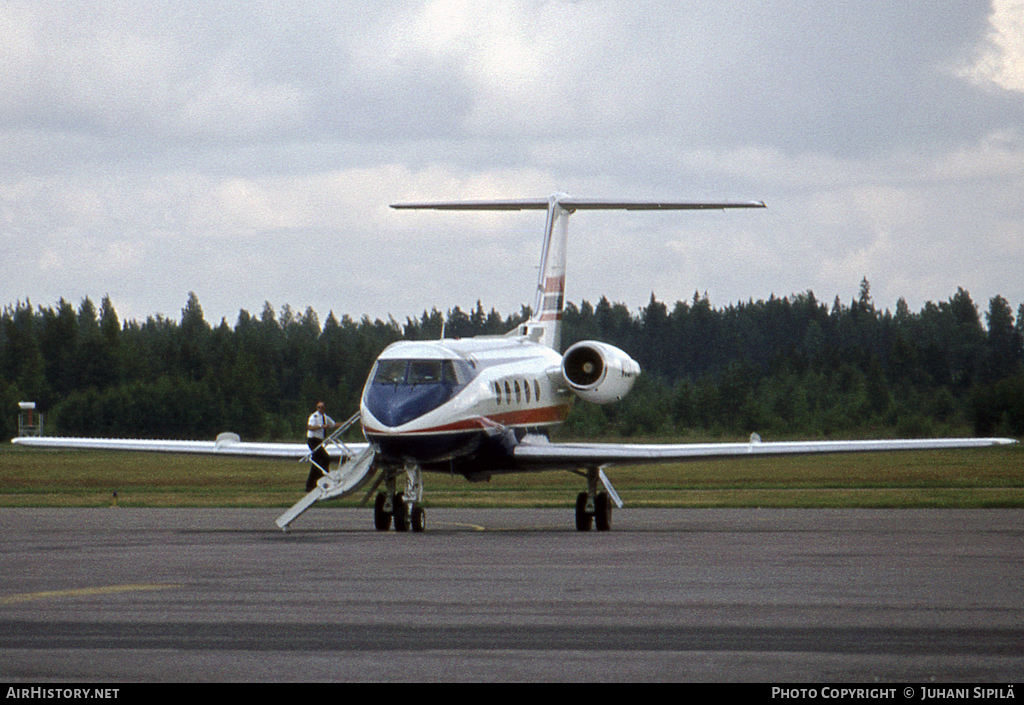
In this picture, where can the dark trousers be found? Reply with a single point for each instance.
(321, 458)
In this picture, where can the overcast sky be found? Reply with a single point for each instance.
(248, 151)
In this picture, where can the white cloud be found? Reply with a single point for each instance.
(1002, 57)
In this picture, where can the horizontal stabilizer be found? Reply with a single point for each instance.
(595, 204)
(571, 204)
(514, 205)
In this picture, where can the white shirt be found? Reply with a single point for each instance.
(318, 418)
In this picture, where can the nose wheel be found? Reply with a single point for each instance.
(382, 513)
(417, 518)
(393, 507)
(403, 516)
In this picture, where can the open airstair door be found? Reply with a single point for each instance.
(348, 478)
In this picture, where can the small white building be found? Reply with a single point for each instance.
(29, 422)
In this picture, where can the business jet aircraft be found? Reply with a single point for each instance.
(483, 406)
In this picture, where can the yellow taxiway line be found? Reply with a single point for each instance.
(83, 592)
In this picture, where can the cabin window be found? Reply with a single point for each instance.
(519, 394)
(497, 392)
(508, 393)
(526, 388)
(536, 390)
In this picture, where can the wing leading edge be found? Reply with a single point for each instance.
(577, 454)
(226, 444)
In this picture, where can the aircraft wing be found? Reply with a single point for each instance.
(226, 444)
(539, 453)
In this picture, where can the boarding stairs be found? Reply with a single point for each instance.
(353, 472)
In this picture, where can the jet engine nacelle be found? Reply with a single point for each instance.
(598, 372)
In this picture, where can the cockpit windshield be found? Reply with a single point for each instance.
(416, 372)
(430, 371)
(390, 372)
(403, 389)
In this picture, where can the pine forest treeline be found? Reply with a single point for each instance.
(791, 366)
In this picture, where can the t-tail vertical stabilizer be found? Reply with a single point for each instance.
(545, 326)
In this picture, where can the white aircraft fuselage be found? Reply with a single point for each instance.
(461, 405)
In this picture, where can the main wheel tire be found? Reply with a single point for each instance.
(583, 519)
(381, 518)
(603, 512)
(418, 518)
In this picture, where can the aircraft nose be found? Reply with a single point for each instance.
(397, 405)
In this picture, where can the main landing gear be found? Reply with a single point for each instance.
(402, 508)
(594, 508)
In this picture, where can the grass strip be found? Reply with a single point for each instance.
(989, 477)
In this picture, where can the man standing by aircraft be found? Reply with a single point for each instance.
(315, 430)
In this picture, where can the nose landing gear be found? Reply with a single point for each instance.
(392, 506)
